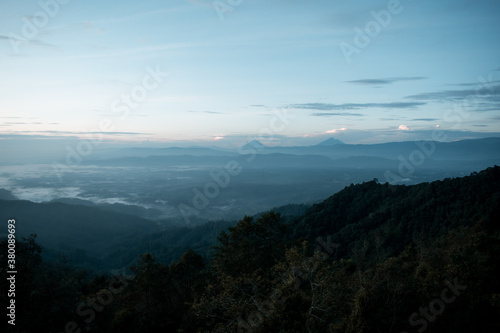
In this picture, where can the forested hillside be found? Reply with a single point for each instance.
(392, 217)
(81, 234)
(371, 258)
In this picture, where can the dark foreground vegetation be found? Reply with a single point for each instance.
(372, 258)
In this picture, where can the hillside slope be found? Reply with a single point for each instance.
(82, 234)
(421, 211)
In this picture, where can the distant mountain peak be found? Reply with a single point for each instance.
(330, 142)
(254, 144)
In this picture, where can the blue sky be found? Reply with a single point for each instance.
(68, 66)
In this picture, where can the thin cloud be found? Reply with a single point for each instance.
(403, 128)
(208, 112)
(34, 136)
(481, 90)
(473, 84)
(356, 106)
(80, 133)
(120, 133)
(205, 3)
(484, 97)
(385, 81)
(138, 50)
(329, 114)
(133, 17)
(3, 37)
(244, 137)
(425, 119)
(23, 123)
(336, 131)
(35, 42)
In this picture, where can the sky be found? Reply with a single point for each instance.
(286, 72)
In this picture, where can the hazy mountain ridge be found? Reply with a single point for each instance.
(333, 148)
(330, 142)
(465, 150)
(459, 150)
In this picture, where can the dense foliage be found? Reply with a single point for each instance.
(372, 258)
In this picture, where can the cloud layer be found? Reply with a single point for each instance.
(385, 81)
